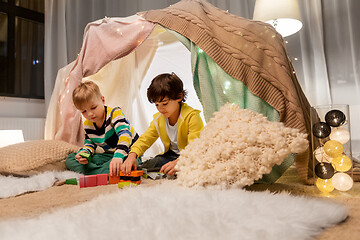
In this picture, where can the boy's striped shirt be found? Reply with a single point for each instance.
(116, 134)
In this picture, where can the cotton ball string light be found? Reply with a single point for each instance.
(324, 170)
(342, 163)
(333, 148)
(342, 182)
(324, 185)
(340, 134)
(320, 155)
(236, 148)
(332, 165)
(319, 152)
(321, 130)
(335, 118)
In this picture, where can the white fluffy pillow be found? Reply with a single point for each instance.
(237, 147)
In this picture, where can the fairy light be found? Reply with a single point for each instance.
(333, 165)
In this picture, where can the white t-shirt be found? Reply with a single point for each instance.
(172, 133)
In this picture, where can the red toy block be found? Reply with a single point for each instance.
(114, 179)
(90, 181)
(102, 179)
(82, 181)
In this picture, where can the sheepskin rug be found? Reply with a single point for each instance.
(170, 211)
(11, 186)
(237, 147)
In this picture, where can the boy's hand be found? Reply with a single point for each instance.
(169, 168)
(115, 166)
(81, 159)
(129, 163)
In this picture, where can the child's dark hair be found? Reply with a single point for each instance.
(166, 85)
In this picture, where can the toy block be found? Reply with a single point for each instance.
(123, 184)
(114, 179)
(101, 179)
(132, 181)
(156, 175)
(72, 181)
(133, 177)
(136, 182)
(86, 155)
(82, 181)
(132, 174)
(87, 181)
(90, 181)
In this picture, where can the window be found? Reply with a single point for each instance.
(22, 48)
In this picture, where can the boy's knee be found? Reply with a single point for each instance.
(70, 161)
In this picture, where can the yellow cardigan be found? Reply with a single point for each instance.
(189, 126)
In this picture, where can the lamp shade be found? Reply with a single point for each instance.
(283, 15)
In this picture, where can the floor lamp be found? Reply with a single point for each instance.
(283, 15)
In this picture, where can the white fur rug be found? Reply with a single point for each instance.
(168, 211)
(12, 186)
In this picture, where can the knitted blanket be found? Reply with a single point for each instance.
(250, 51)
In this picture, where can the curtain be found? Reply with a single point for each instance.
(326, 56)
(325, 52)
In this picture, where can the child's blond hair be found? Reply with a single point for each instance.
(85, 92)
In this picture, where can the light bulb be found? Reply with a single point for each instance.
(342, 181)
(324, 185)
(319, 152)
(340, 134)
(342, 163)
(333, 148)
(321, 156)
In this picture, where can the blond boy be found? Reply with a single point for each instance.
(105, 127)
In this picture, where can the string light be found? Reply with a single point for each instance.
(333, 165)
(340, 134)
(324, 185)
(342, 182)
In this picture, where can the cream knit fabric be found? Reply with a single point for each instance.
(33, 157)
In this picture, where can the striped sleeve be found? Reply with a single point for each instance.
(89, 145)
(124, 132)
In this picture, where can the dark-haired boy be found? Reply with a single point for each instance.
(176, 124)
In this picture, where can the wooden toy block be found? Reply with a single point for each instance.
(90, 181)
(114, 179)
(72, 181)
(135, 181)
(155, 175)
(102, 179)
(133, 177)
(123, 184)
(86, 155)
(82, 181)
(137, 173)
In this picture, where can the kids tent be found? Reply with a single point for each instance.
(224, 57)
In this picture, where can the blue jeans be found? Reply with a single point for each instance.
(159, 160)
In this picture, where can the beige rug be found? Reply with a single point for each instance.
(33, 204)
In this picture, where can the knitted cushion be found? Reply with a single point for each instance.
(33, 157)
